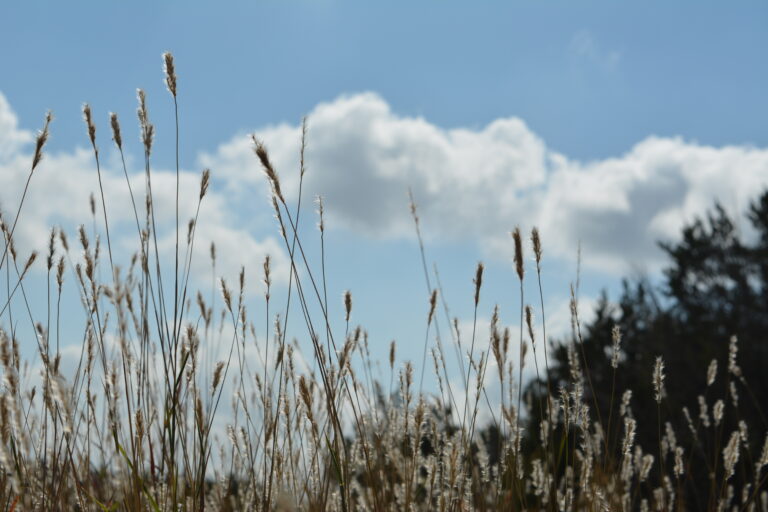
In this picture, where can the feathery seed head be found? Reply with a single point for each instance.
(51, 249)
(83, 237)
(743, 432)
(529, 323)
(199, 415)
(616, 337)
(204, 182)
(170, 73)
(731, 454)
(63, 240)
(629, 435)
(679, 467)
(320, 211)
(496, 339)
(269, 170)
(139, 421)
(717, 411)
(408, 374)
(42, 138)
(190, 230)
(89, 123)
(432, 303)
(227, 295)
(536, 240)
(519, 267)
(147, 130)
(348, 303)
(113, 121)
(30, 261)
(646, 463)
(478, 280)
(703, 411)
(267, 275)
(658, 379)
(217, 375)
(711, 372)
(60, 272)
(733, 350)
(306, 394)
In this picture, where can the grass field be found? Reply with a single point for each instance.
(138, 426)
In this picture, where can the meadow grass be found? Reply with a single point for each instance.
(134, 428)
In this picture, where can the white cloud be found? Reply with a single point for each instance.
(59, 195)
(477, 184)
(11, 137)
(471, 185)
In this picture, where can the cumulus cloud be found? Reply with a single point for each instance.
(11, 137)
(62, 184)
(476, 184)
(471, 185)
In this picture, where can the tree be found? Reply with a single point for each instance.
(715, 287)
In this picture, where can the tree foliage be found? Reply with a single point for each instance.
(714, 287)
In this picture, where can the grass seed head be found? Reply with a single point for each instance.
(204, 182)
(529, 323)
(89, 123)
(170, 73)
(60, 273)
(115, 123)
(731, 454)
(269, 170)
(616, 338)
(51, 249)
(536, 240)
(226, 294)
(42, 138)
(478, 281)
(733, 351)
(147, 129)
(217, 375)
(30, 261)
(519, 266)
(658, 379)
(348, 304)
(432, 303)
(320, 211)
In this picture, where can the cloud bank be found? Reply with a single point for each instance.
(475, 185)
(471, 185)
(59, 195)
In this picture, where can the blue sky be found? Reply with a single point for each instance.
(601, 122)
(591, 78)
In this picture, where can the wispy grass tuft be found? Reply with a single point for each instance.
(193, 403)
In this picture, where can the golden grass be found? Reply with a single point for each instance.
(135, 427)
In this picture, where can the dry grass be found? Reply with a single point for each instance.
(135, 427)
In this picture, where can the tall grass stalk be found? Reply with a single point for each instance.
(189, 403)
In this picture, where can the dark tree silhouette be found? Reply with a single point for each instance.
(715, 287)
